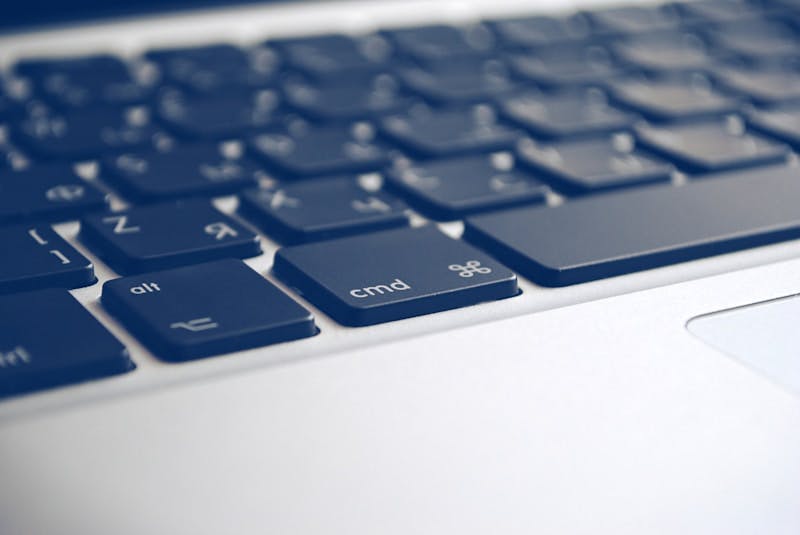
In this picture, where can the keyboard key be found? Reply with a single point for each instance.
(386, 276)
(578, 167)
(164, 236)
(721, 11)
(207, 309)
(434, 44)
(320, 150)
(10, 106)
(46, 193)
(193, 170)
(320, 210)
(674, 99)
(462, 82)
(218, 67)
(36, 257)
(782, 123)
(539, 31)
(429, 133)
(48, 339)
(630, 231)
(665, 52)
(634, 19)
(219, 116)
(711, 146)
(564, 66)
(449, 189)
(85, 134)
(764, 86)
(756, 40)
(566, 114)
(336, 56)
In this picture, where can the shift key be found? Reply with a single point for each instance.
(386, 276)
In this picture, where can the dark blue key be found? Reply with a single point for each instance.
(665, 52)
(674, 99)
(48, 339)
(192, 170)
(85, 134)
(101, 66)
(712, 146)
(320, 210)
(10, 106)
(634, 19)
(450, 189)
(472, 81)
(164, 236)
(721, 11)
(217, 67)
(207, 309)
(310, 151)
(563, 66)
(764, 86)
(327, 56)
(538, 31)
(34, 257)
(630, 231)
(344, 100)
(782, 123)
(436, 43)
(578, 167)
(756, 40)
(46, 193)
(218, 116)
(429, 133)
(386, 276)
(565, 115)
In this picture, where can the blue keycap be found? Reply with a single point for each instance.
(193, 170)
(565, 115)
(164, 236)
(782, 123)
(218, 116)
(347, 101)
(100, 66)
(538, 31)
(207, 309)
(578, 167)
(630, 231)
(434, 44)
(85, 134)
(46, 193)
(216, 67)
(320, 150)
(756, 40)
(763, 86)
(461, 82)
(386, 276)
(34, 257)
(665, 52)
(450, 189)
(720, 11)
(634, 19)
(427, 133)
(48, 339)
(711, 146)
(321, 209)
(336, 56)
(564, 66)
(675, 99)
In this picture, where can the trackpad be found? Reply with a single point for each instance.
(764, 336)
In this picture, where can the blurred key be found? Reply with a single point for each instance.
(163, 236)
(580, 167)
(564, 66)
(35, 257)
(720, 11)
(456, 131)
(322, 209)
(766, 85)
(782, 123)
(712, 146)
(468, 82)
(330, 56)
(433, 44)
(567, 114)
(192, 170)
(48, 339)
(310, 151)
(537, 31)
(756, 40)
(391, 275)
(634, 19)
(449, 189)
(46, 193)
(665, 52)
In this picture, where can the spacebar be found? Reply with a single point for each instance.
(614, 234)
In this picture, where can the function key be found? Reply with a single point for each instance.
(579, 167)
(48, 339)
(206, 309)
(633, 19)
(461, 82)
(321, 209)
(782, 123)
(36, 257)
(429, 133)
(308, 151)
(563, 66)
(449, 189)
(434, 44)
(46, 193)
(167, 235)
(326, 56)
(193, 170)
(712, 146)
(567, 114)
(386, 276)
(665, 52)
(540, 31)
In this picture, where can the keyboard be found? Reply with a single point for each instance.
(396, 174)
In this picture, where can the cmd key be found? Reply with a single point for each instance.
(48, 339)
(390, 275)
(206, 309)
(619, 233)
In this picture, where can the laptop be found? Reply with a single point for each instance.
(400, 267)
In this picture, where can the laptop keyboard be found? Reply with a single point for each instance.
(572, 149)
